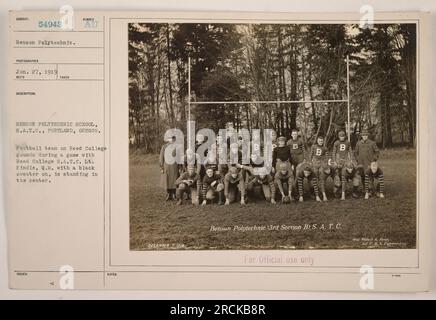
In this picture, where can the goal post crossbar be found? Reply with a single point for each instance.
(275, 102)
(266, 102)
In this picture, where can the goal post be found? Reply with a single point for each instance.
(278, 102)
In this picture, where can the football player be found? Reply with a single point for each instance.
(281, 154)
(235, 155)
(374, 175)
(219, 140)
(233, 184)
(191, 158)
(274, 142)
(199, 140)
(211, 162)
(341, 153)
(298, 151)
(223, 168)
(306, 171)
(350, 172)
(264, 182)
(212, 186)
(327, 170)
(255, 164)
(284, 181)
(318, 153)
(366, 151)
(341, 148)
(188, 183)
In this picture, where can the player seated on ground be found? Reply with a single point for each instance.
(306, 171)
(284, 181)
(262, 184)
(350, 172)
(374, 180)
(281, 154)
(327, 170)
(212, 187)
(234, 186)
(188, 183)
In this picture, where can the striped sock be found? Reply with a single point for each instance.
(315, 186)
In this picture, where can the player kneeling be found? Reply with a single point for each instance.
(305, 171)
(327, 170)
(350, 173)
(212, 186)
(263, 182)
(374, 175)
(188, 183)
(234, 184)
(284, 180)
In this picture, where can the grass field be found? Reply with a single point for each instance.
(353, 223)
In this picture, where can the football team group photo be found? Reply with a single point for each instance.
(214, 177)
(272, 136)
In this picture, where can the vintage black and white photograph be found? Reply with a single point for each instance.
(272, 136)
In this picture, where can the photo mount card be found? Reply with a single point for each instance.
(218, 151)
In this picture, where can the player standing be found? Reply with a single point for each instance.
(298, 151)
(170, 172)
(274, 142)
(319, 154)
(191, 158)
(281, 154)
(341, 153)
(366, 151)
(341, 149)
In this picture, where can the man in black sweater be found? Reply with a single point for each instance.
(281, 154)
